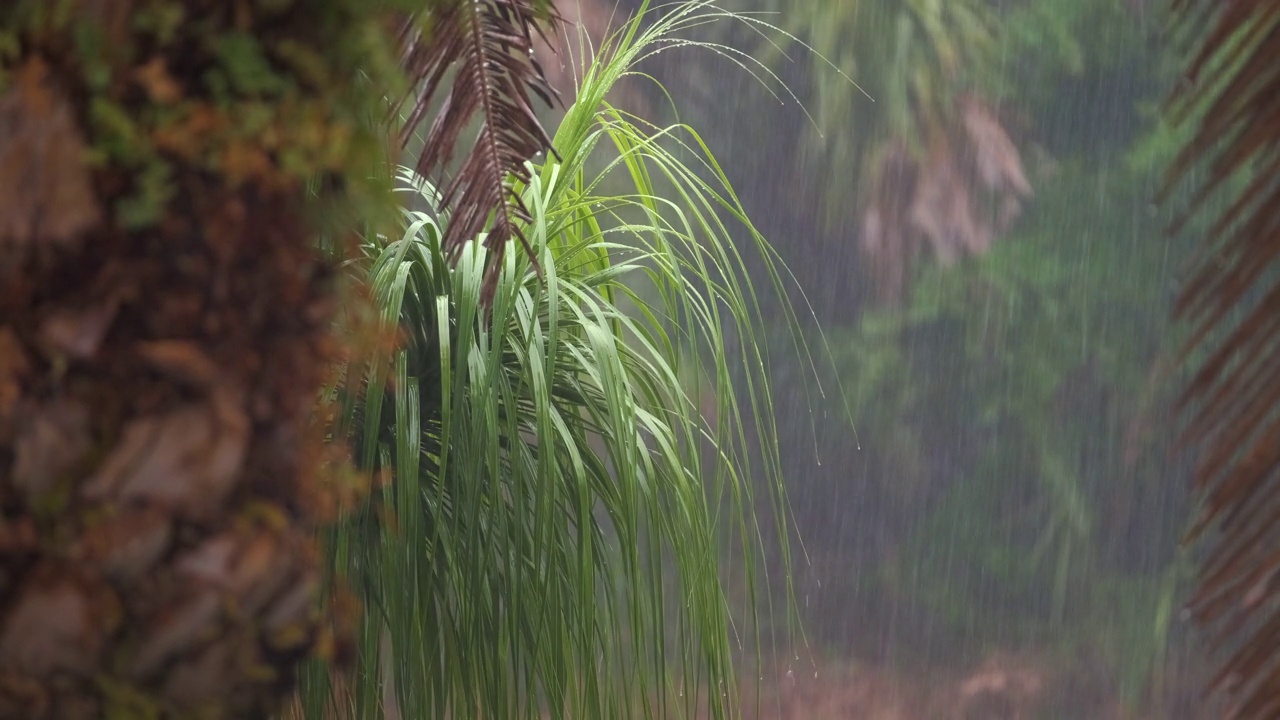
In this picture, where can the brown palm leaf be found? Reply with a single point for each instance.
(491, 44)
(959, 195)
(1232, 302)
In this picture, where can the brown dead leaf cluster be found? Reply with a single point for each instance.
(952, 201)
(1230, 300)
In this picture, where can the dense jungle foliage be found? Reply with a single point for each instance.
(572, 398)
(510, 499)
(971, 208)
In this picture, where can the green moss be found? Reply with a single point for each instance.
(271, 98)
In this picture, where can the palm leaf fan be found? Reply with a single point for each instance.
(489, 43)
(1231, 101)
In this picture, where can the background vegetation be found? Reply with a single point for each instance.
(1006, 482)
(560, 496)
(571, 436)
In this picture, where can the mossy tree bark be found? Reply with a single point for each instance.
(164, 330)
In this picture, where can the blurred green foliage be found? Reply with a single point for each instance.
(1008, 405)
(1018, 389)
(1010, 481)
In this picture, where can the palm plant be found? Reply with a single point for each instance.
(165, 321)
(1232, 301)
(902, 96)
(552, 537)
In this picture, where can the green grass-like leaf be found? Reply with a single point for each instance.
(552, 541)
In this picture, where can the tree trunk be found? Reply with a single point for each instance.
(163, 334)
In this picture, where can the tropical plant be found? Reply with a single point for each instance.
(488, 47)
(903, 121)
(165, 323)
(1231, 299)
(1004, 413)
(926, 116)
(558, 504)
(1007, 483)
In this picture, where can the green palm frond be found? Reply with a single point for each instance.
(551, 541)
(1232, 301)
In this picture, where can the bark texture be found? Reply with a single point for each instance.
(164, 330)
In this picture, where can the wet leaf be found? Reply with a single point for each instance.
(59, 623)
(178, 629)
(17, 536)
(250, 568)
(79, 333)
(938, 200)
(54, 441)
(46, 195)
(14, 366)
(180, 359)
(159, 84)
(188, 459)
(127, 544)
(22, 697)
(204, 677)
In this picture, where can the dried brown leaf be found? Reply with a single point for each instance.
(78, 333)
(46, 193)
(942, 199)
(126, 544)
(1232, 300)
(58, 623)
(14, 367)
(178, 629)
(490, 45)
(154, 77)
(250, 567)
(57, 436)
(22, 697)
(17, 536)
(204, 677)
(293, 607)
(180, 359)
(998, 163)
(188, 459)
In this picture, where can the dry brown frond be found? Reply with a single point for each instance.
(1232, 301)
(491, 44)
(966, 189)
